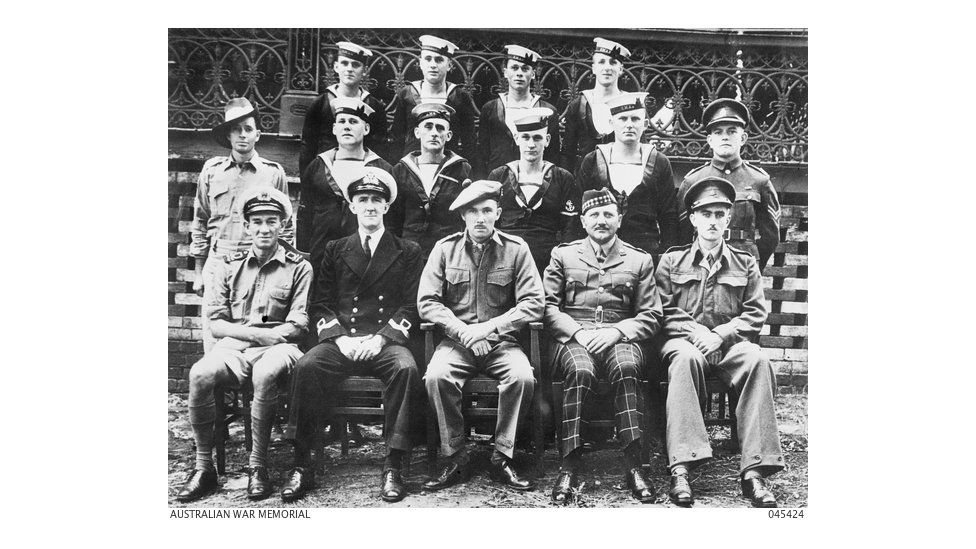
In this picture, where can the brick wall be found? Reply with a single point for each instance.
(784, 337)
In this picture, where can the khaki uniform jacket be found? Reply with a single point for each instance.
(504, 289)
(729, 301)
(582, 293)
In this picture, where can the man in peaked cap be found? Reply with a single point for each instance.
(637, 174)
(540, 201)
(714, 308)
(436, 56)
(364, 307)
(350, 67)
(257, 310)
(496, 128)
(601, 302)
(218, 226)
(755, 212)
(429, 180)
(480, 287)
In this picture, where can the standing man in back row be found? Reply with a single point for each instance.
(218, 224)
(755, 215)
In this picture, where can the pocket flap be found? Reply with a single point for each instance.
(747, 195)
(218, 187)
(627, 280)
(457, 276)
(680, 277)
(282, 293)
(732, 280)
(501, 277)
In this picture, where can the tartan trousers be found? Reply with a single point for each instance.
(621, 365)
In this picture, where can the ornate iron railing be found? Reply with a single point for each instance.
(209, 66)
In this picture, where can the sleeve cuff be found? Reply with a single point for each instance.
(726, 331)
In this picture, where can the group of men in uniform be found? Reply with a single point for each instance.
(390, 246)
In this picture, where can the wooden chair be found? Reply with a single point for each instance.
(719, 392)
(239, 409)
(479, 387)
(357, 398)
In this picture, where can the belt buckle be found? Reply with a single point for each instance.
(598, 315)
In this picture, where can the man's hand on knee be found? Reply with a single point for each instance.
(370, 348)
(603, 339)
(481, 348)
(265, 337)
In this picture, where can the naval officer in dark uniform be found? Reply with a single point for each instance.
(601, 302)
(363, 310)
(755, 214)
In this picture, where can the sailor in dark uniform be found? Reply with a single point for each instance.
(350, 68)
(327, 176)
(435, 62)
(755, 214)
(429, 180)
(496, 126)
(540, 201)
(587, 117)
(638, 175)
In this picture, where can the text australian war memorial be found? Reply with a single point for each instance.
(421, 227)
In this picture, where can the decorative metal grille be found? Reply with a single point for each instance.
(209, 66)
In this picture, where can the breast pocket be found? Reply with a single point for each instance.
(684, 286)
(238, 305)
(576, 280)
(499, 287)
(220, 199)
(622, 286)
(729, 296)
(746, 204)
(457, 289)
(279, 303)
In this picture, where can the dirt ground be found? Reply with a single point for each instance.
(353, 480)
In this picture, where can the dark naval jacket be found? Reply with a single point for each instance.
(465, 140)
(548, 218)
(317, 136)
(421, 218)
(356, 296)
(496, 141)
(650, 213)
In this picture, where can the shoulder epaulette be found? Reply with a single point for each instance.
(453, 236)
(757, 168)
(737, 251)
(635, 248)
(271, 163)
(512, 237)
(210, 163)
(678, 248)
(694, 170)
(573, 243)
(294, 257)
(236, 256)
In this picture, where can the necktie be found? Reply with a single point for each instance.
(601, 255)
(369, 255)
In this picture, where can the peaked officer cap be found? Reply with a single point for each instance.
(708, 191)
(373, 180)
(727, 111)
(265, 200)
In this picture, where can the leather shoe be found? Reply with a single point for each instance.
(391, 487)
(562, 491)
(199, 482)
(640, 488)
(680, 492)
(300, 481)
(505, 474)
(451, 474)
(758, 491)
(258, 483)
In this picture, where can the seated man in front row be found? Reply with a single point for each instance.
(600, 302)
(713, 303)
(365, 305)
(480, 287)
(257, 313)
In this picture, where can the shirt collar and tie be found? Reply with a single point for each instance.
(250, 163)
(602, 251)
(370, 241)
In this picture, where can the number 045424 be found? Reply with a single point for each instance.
(786, 513)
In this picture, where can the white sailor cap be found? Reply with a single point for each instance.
(437, 45)
(536, 118)
(611, 48)
(522, 55)
(632, 101)
(354, 51)
(353, 106)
